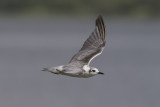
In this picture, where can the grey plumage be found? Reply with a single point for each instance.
(79, 64)
(93, 45)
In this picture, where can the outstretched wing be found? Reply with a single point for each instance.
(93, 46)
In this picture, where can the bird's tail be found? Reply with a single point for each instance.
(54, 71)
(45, 69)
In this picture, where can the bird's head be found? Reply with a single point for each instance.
(94, 71)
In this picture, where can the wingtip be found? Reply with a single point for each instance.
(99, 20)
(99, 16)
(101, 26)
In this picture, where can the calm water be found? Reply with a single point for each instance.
(130, 61)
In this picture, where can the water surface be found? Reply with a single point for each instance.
(130, 61)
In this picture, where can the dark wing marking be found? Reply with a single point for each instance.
(93, 46)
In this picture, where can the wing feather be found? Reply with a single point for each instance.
(93, 46)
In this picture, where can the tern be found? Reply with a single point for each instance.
(78, 66)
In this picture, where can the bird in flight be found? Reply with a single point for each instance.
(78, 66)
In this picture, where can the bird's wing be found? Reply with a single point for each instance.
(93, 46)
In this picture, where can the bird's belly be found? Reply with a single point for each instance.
(78, 75)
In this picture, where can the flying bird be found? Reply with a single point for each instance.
(78, 66)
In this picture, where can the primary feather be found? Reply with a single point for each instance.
(93, 46)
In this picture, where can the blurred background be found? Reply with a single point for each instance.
(44, 33)
(133, 8)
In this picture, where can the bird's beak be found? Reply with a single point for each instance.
(100, 73)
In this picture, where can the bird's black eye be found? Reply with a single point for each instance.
(93, 70)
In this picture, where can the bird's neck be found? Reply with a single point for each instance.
(86, 68)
